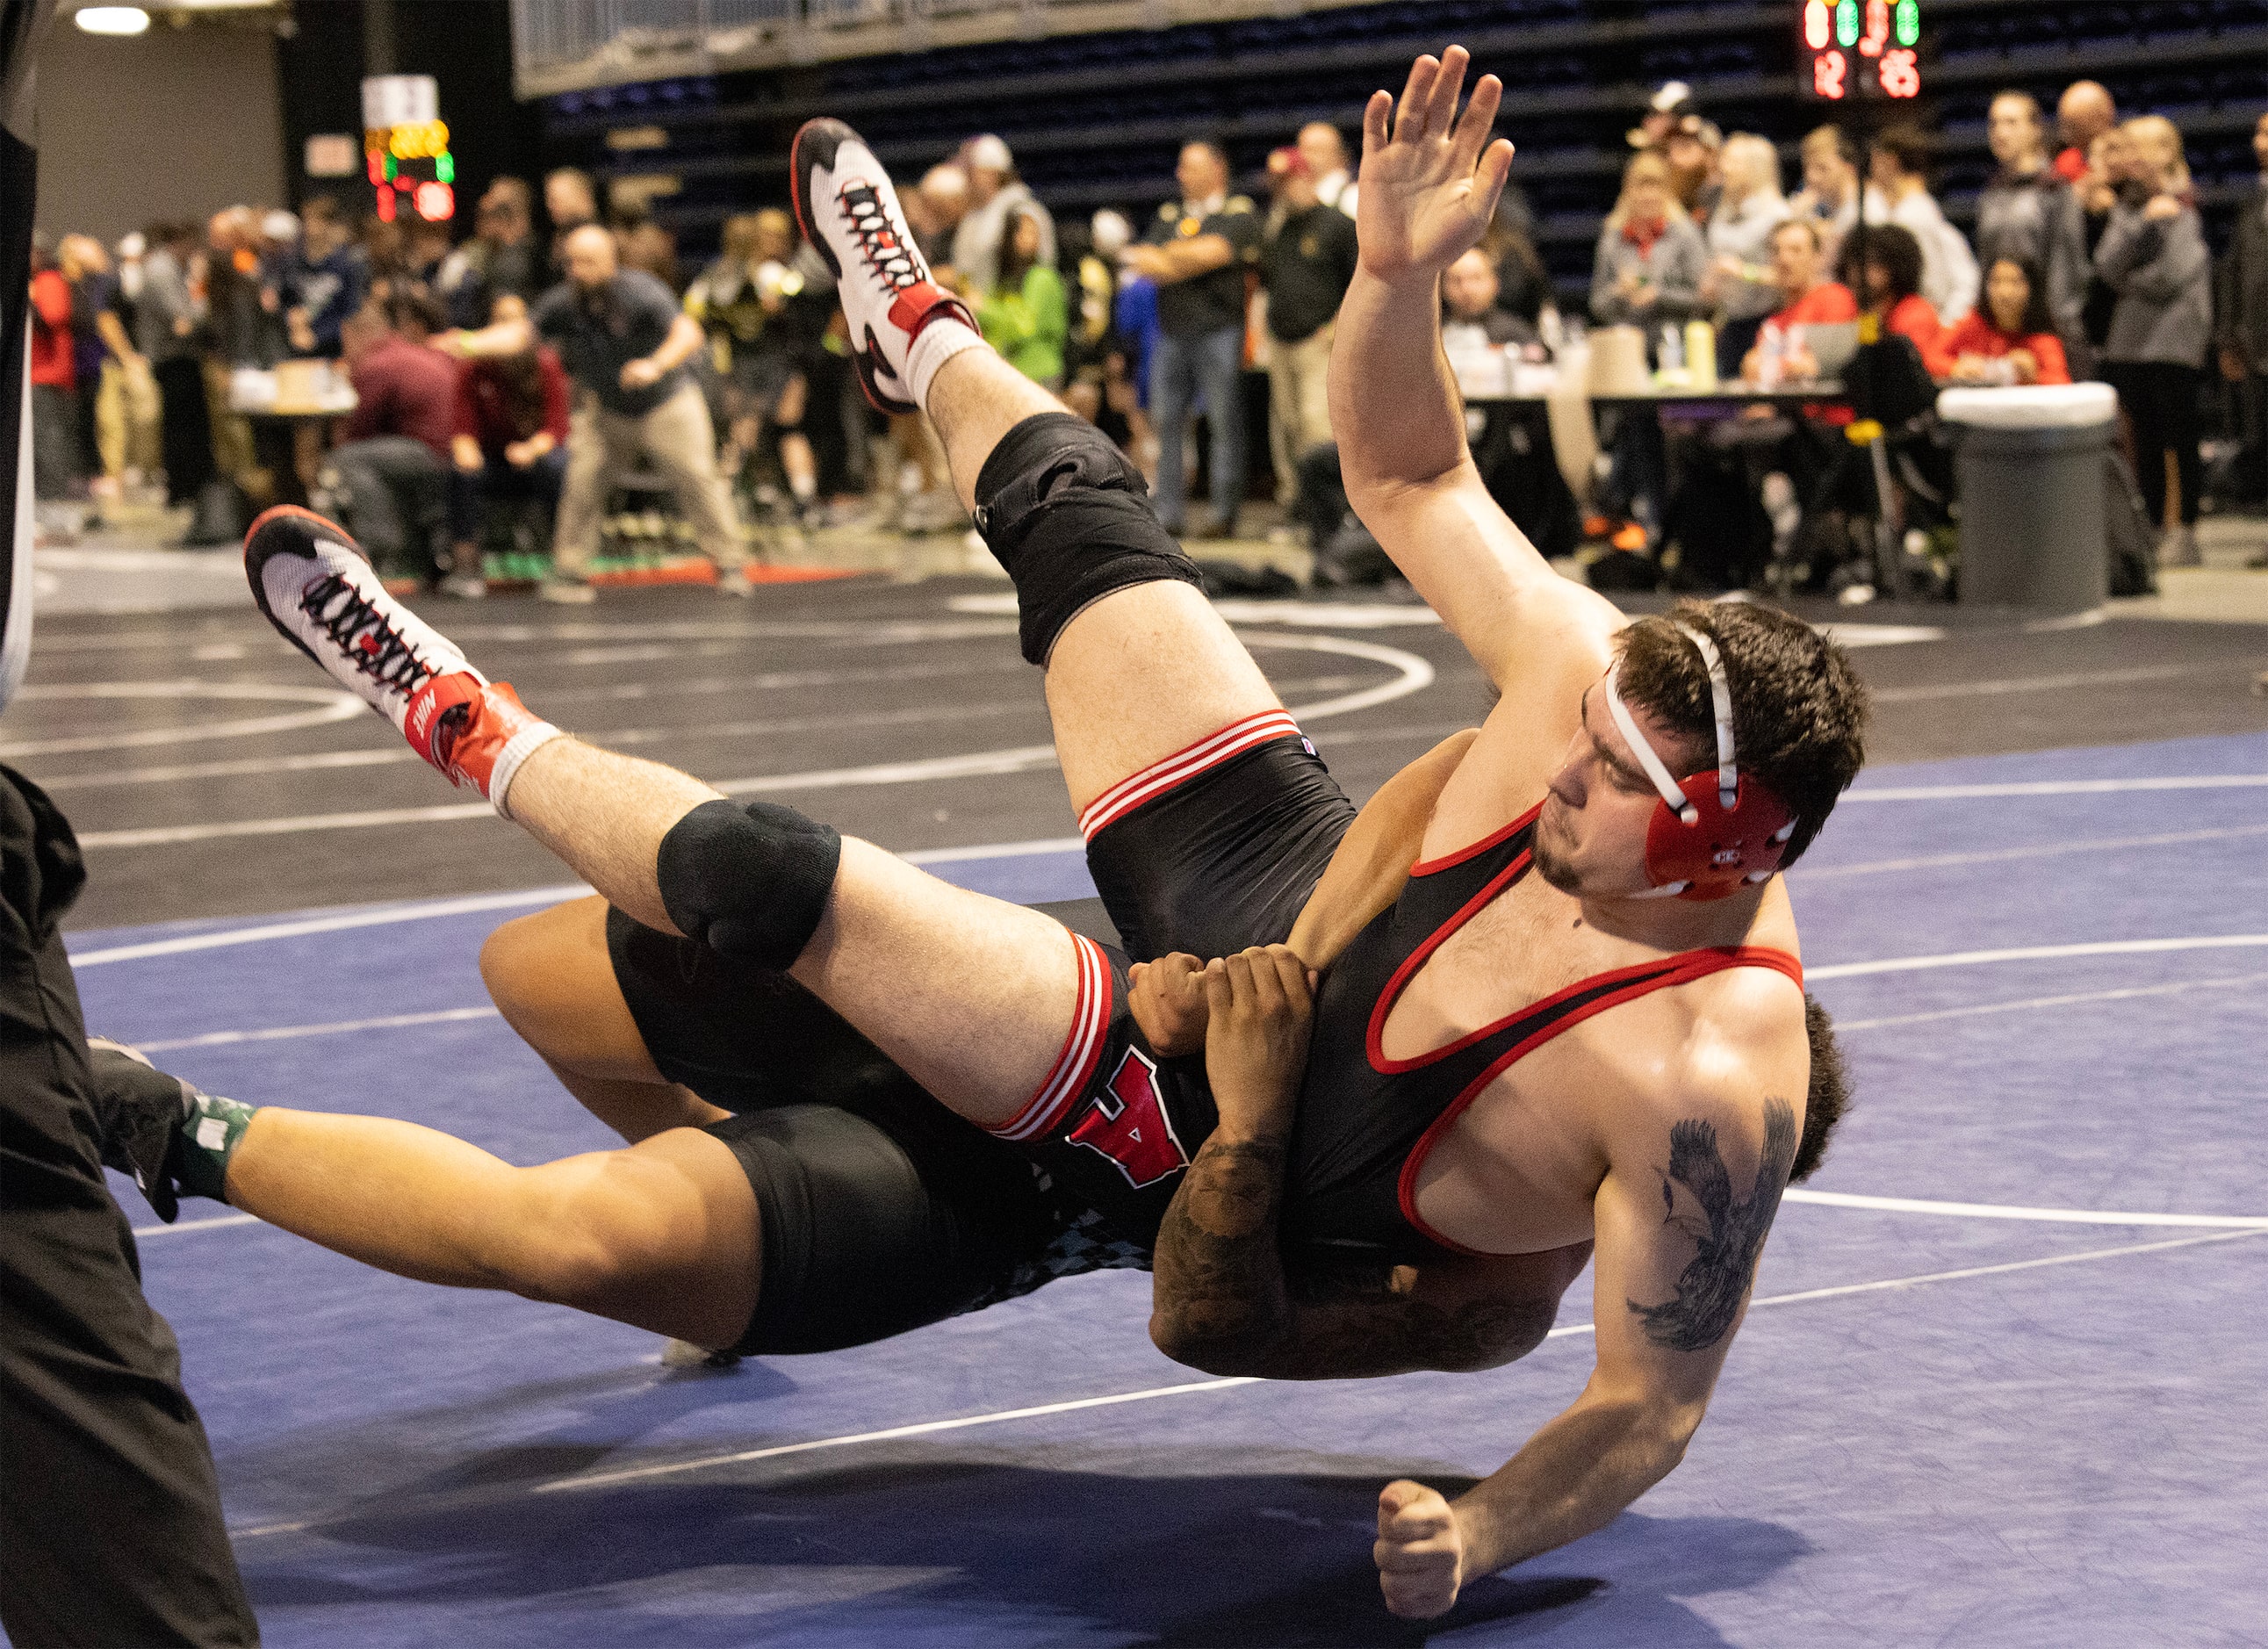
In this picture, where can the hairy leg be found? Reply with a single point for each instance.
(1143, 673)
(551, 978)
(663, 1235)
(911, 961)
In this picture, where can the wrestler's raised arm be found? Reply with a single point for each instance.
(1430, 184)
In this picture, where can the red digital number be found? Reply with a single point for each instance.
(1901, 75)
(1827, 71)
(1878, 28)
(1128, 1125)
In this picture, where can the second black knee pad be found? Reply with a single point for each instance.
(1069, 516)
(749, 880)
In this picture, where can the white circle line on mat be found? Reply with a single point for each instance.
(330, 704)
(2033, 954)
(1413, 675)
(2059, 787)
(2001, 1210)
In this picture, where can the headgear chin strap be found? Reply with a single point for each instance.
(1704, 841)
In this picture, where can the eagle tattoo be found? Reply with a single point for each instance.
(1729, 1235)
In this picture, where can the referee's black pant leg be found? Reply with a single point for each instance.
(110, 1519)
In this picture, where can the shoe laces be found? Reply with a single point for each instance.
(883, 247)
(362, 633)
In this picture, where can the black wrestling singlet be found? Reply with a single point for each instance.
(1365, 1121)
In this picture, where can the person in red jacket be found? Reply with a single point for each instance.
(2009, 338)
(389, 475)
(1810, 300)
(508, 442)
(58, 470)
(1893, 288)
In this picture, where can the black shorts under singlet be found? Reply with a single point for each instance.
(881, 1209)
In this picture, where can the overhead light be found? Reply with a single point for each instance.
(113, 19)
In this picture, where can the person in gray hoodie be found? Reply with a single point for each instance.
(2153, 254)
(2028, 213)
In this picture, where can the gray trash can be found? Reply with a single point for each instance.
(2030, 463)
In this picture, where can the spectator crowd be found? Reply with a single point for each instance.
(510, 389)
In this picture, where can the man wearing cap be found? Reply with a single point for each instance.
(1305, 269)
(1196, 250)
(1671, 103)
(995, 194)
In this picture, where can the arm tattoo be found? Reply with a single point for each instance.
(1219, 1290)
(1222, 1300)
(1709, 1291)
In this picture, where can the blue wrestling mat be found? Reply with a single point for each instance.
(2002, 1384)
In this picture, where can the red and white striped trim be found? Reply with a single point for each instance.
(1161, 776)
(1082, 1050)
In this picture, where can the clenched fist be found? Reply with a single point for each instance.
(1420, 1550)
(1166, 998)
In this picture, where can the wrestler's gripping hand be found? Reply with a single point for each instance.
(1260, 1008)
(1166, 998)
(1420, 1550)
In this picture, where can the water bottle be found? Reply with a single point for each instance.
(1770, 345)
(1701, 353)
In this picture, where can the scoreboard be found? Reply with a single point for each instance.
(405, 149)
(1850, 49)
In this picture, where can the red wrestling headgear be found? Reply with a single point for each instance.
(1705, 841)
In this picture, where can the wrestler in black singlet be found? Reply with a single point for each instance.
(1365, 1121)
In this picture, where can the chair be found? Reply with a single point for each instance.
(1894, 406)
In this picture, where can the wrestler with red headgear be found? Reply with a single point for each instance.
(839, 1072)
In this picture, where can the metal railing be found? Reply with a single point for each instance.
(568, 45)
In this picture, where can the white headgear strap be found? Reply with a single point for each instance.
(1720, 695)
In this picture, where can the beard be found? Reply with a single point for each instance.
(1555, 870)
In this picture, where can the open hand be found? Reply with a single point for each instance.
(1259, 1007)
(1166, 998)
(1420, 1550)
(1429, 188)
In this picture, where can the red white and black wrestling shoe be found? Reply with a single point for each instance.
(848, 210)
(313, 583)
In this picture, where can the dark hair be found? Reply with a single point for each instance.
(1014, 264)
(1908, 145)
(2036, 319)
(1889, 246)
(1799, 709)
(516, 193)
(412, 307)
(1210, 148)
(1829, 1092)
(521, 380)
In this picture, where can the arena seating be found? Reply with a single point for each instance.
(1095, 118)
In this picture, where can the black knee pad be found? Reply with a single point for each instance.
(749, 880)
(1069, 516)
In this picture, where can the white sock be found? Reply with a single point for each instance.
(932, 347)
(517, 749)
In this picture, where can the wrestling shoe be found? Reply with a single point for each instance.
(903, 325)
(314, 584)
(172, 1136)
